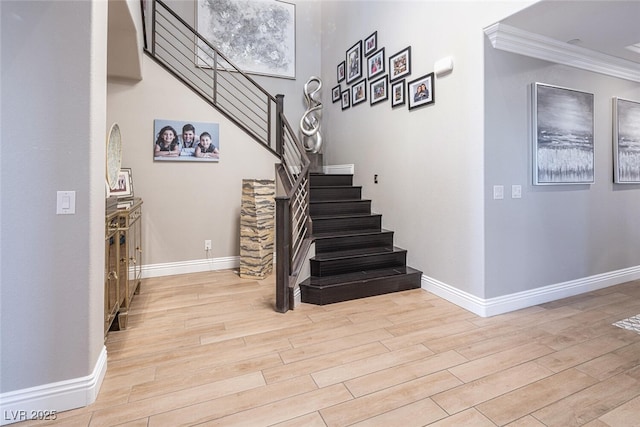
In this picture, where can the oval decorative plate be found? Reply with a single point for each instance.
(114, 155)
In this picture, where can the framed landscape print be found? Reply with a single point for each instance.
(268, 28)
(421, 92)
(400, 64)
(562, 135)
(354, 62)
(626, 141)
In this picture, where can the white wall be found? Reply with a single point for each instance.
(185, 203)
(430, 160)
(553, 234)
(53, 125)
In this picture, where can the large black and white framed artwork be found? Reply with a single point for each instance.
(562, 135)
(258, 36)
(626, 141)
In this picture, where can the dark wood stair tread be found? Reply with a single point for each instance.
(358, 277)
(329, 234)
(345, 215)
(336, 201)
(354, 233)
(355, 253)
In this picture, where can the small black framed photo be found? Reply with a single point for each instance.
(371, 44)
(354, 62)
(375, 64)
(397, 94)
(400, 64)
(335, 93)
(359, 92)
(379, 90)
(340, 72)
(420, 91)
(346, 98)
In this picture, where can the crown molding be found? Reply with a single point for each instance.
(515, 40)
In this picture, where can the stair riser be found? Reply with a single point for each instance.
(340, 208)
(329, 225)
(330, 180)
(350, 291)
(335, 193)
(349, 265)
(379, 240)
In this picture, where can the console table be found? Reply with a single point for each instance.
(123, 261)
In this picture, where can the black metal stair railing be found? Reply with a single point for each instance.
(293, 226)
(183, 52)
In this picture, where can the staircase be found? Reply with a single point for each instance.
(355, 257)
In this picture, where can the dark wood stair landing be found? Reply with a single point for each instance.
(355, 258)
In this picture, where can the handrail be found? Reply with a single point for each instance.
(192, 59)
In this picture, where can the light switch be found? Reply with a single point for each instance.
(66, 203)
(498, 192)
(516, 191)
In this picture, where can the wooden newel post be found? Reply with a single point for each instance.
(283, 253)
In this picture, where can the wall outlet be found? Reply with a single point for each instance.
(207, 245)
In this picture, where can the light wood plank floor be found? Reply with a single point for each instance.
(208, 349)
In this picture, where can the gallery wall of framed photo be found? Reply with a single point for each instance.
(367, 72)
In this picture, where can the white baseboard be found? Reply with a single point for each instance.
(46, 401)
(506, 303)
(339, 169)
(194, 266)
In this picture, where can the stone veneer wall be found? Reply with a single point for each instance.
(257, 228)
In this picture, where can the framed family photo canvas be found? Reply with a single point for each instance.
(371, 44)
(400, 64)
(421, 92)
(375, 64)
(562, 135)
(353, 62)
(378, 90)
(359, 92)
(626, 141)
(268, 28)
(397, 94)
(185, 141)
